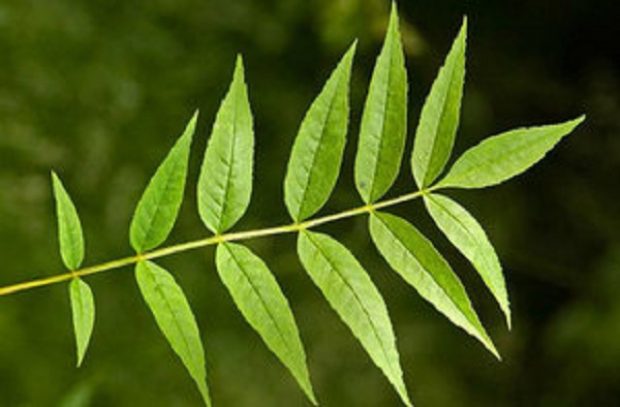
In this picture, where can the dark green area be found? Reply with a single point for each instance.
(100, 90)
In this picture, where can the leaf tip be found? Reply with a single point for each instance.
(239, 68)
(393, 13)
(348, 56)
(404, 396)
(194, 118)
(312, 397)
(505, 308)
(579, 120)
(204, 393)
(393, 23)
(56, 182)
(488, 343)
(190, 129)
(462, 35)
(353, 46)
(571, 125)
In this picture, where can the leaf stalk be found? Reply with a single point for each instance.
(208, 241)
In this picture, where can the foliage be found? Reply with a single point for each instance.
(224, 191)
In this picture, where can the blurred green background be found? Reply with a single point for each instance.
(99, 90)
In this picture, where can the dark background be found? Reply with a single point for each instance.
(99, 90)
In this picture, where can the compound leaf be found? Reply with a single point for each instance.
(175, 319)
(83, 311)
(466, 234)
(261, 301)
(225, 183)
(439, 120)
(316, 156)
(384, 121)
(70, 233)
(158, 208)
(503, 156)
(412, 256)
(352, 294)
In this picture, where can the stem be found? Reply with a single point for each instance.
(209, 241)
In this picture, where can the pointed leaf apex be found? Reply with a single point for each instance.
(572, 124)
(508, 319)
(351, 51)
(579, 120)
(393, 22)
(488, 344)
(462, 35)
(496, 354)
(56, 180)
(239, 68)
(353, 46)
(55, 177)
(190, 128)
(195, 116)
(394, 13)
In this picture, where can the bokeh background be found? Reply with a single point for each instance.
(99, 90)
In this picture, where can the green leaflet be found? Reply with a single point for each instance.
(503, 156)
(83, 310)
(315, 160)
(159, 206)
(261, 301)
(225, 183)
(384, 121)
(412, 256)
(352, 294)
(466, 234)
(439, 119)
(175, 319)
(70, 233)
